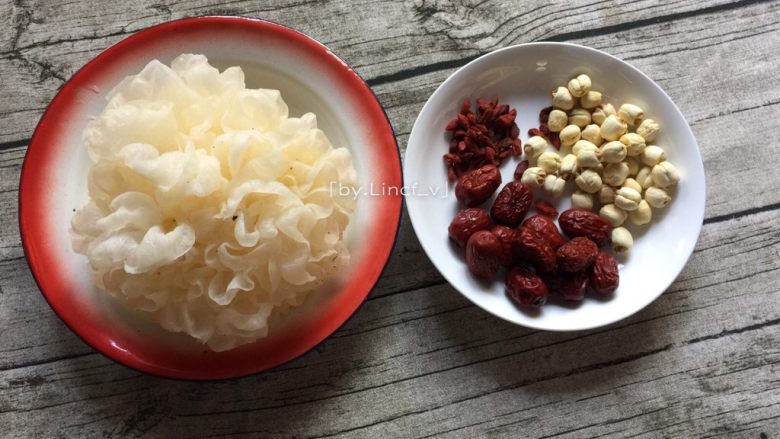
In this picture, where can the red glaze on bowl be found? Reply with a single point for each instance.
(311, 78)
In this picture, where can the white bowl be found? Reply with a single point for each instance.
(523, 76)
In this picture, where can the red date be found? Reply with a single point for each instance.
(570, 287)
(534, 248)
(512, 203)
(520, 169)
(466, 222)
(525, 288)
(475, 187)
(546, 209)
(604, 277)
(577, 254)
(483, 254)
(581, 222)
(545, 227)
(509, 239)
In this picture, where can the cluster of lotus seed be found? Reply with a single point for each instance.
(610, 156)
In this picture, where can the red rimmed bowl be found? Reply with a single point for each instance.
(310, 78)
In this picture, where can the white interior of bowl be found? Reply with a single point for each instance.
(523, 77)
(304, 89)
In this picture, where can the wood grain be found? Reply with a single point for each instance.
(419, 360)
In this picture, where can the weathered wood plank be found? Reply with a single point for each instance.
(55, 39)
(419, 359)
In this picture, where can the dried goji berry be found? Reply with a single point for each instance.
(521, 167)
(544, 208)
(544, 114)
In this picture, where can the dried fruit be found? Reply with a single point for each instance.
(521, 167)
(546, 209)
(581, 222)
(512, 203)
(570, 287)
(604, 277)
(475, 187)
(466, 222)
(486, 137)
(525, 288)
(555, 140)
(577, 254)
(544, 226)
(483, 254)
(509, 239)
(544, 114)
(535, 132)
(536, 249)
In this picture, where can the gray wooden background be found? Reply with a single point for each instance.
(702, 361)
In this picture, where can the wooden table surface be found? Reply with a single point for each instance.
(418, 359)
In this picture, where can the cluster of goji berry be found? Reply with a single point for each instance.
(486, 137)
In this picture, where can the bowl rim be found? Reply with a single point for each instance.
(554, 44)
(151, 33)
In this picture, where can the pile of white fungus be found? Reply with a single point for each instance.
(210, 209)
